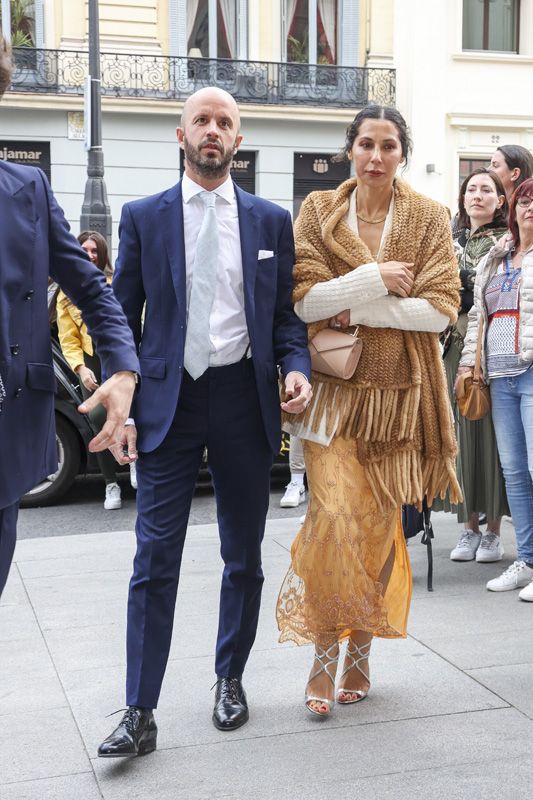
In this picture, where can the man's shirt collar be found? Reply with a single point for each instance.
(189, 189)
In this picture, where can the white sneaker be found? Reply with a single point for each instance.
(112, 497)
(515, 576)
(466, 547)
(490, 548)
(527, 593)
(133, 474)
(294, 495)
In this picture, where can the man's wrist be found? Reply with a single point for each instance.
(304, 376)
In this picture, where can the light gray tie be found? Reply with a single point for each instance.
(197, 342)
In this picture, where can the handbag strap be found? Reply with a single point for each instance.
(477, 363)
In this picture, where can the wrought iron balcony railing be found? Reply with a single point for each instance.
(171, 78)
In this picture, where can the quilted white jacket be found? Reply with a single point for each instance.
(486, 269)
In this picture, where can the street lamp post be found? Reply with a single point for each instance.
(95, 211)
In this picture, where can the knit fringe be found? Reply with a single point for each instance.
(407, 476)
(366, 413)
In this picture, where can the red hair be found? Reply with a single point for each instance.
(525, 188)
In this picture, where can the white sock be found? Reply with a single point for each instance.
(298, 478)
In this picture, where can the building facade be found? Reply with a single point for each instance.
(299, 70)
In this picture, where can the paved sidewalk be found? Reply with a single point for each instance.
(449, 714)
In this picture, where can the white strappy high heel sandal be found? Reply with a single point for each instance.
(325, 661)
(354, 655)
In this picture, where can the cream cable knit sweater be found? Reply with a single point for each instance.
(364, 286)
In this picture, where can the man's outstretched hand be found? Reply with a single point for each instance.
(115, 395)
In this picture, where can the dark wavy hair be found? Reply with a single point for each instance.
(6, 65)
(376, 112)
(501, 215)
(525, 189)
(517, 156)
(102, 262)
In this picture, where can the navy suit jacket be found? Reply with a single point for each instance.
(151, 268)
(34, 243)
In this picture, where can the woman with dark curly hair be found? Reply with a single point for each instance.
(377, 254)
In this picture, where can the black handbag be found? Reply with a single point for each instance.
(415, 522)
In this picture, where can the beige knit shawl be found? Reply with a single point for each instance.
(396, 405)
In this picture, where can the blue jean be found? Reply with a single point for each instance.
(512, 415)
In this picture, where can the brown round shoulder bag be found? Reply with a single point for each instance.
(471, 393)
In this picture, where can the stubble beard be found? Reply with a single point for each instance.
(207, 167)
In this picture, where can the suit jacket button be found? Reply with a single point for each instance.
(29, 295)
(15, 349)
(18, 392)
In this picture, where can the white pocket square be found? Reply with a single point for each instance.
(264, 254)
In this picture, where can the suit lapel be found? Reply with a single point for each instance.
(249, 234)
(172, 219)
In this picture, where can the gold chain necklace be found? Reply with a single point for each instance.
(371, 221)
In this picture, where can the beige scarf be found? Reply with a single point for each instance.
(396, 405)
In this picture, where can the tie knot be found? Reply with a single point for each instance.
(208, 199)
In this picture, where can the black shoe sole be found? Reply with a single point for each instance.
(234, 725)
(144, 749)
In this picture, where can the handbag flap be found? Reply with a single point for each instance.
(332, 340)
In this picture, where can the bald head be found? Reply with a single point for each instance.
(6, 66)
(211, 96)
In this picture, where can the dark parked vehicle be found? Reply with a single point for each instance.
(73, 433)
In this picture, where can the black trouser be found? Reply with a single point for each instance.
(105, 459)
(8, 538)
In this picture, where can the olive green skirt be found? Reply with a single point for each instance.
(478, 465)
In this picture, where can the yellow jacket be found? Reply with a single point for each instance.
(73, 334)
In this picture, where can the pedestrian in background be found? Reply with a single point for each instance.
(79, 352)
(295, 489)
(35, 244)
(503, 298)
(513, 164)
(377, 254)
(483, 212)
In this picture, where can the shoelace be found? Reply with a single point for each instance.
(131, 718)
(516, 566)
(464, 541)
(228, 688)
(489, 539)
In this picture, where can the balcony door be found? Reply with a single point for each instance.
(310, 31)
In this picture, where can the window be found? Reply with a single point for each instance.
(212, 28)
(468, 165)
(491, 25)
(310, 31)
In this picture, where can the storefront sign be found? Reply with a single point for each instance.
(242, 169)
(36, 154)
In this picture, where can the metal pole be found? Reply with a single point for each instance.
(6, 20)
(95, 211)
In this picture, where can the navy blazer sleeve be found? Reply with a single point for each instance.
(290, 333)
(86, 286)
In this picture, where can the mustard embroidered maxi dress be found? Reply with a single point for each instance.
(350, 569)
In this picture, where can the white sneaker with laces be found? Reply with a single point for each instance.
(466, 547)
(515, 576)
(527, 593)
(112, 497)
(490, 548)
(294, 495)
(133, 474)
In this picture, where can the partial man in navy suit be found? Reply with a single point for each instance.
(35, 243)
(209, 365)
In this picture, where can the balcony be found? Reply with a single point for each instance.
(63, 72)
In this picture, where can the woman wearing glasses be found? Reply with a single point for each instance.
(503, 298)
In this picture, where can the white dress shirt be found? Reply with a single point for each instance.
(228, 331)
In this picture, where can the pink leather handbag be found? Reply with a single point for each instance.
(335, 353)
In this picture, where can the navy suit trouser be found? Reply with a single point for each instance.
(219, 411)
(8, 538)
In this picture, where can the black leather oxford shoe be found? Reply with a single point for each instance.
(231, 708)
(135, 735)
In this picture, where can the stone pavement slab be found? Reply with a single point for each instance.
(449, 714)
